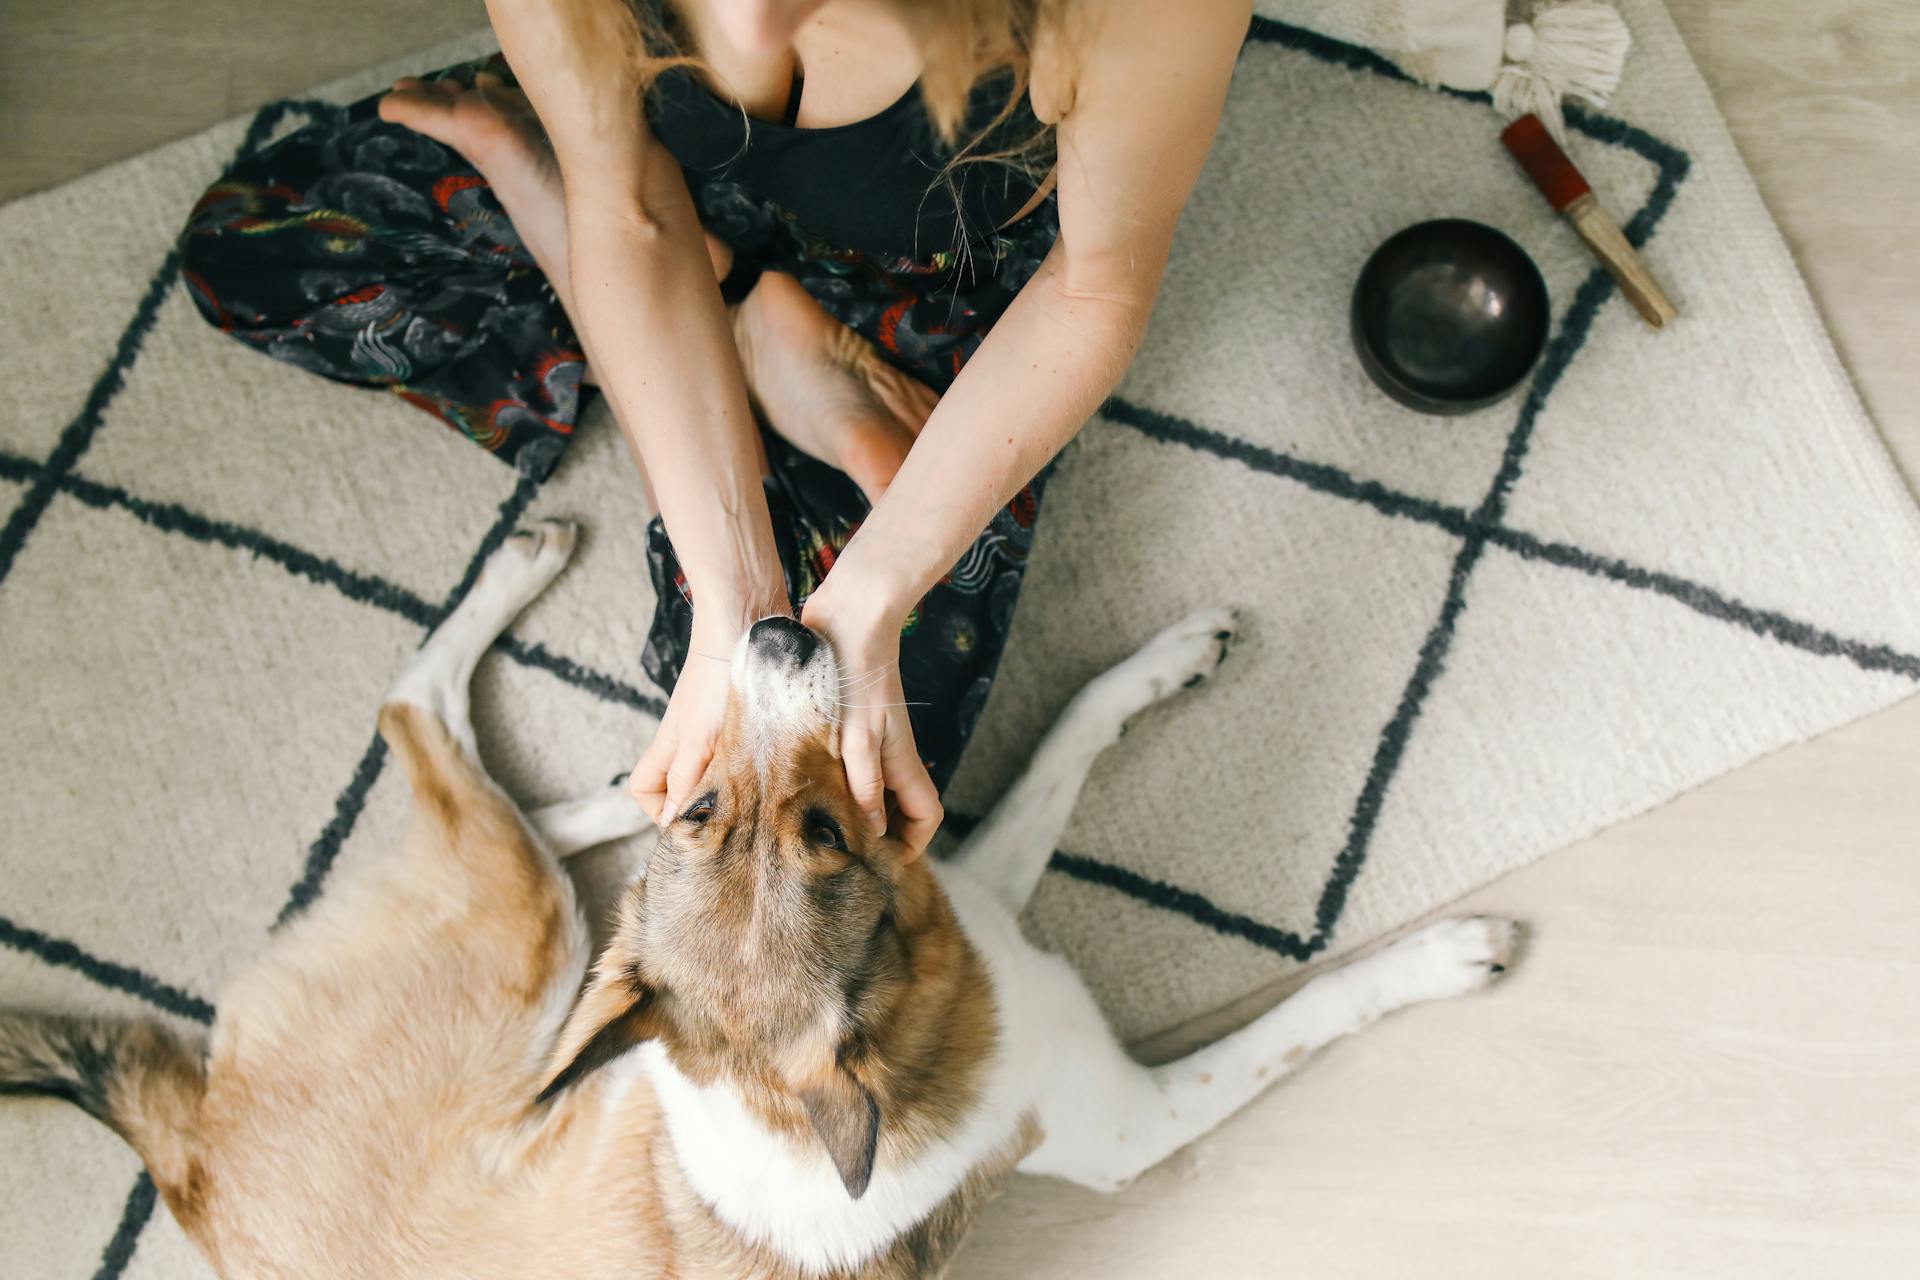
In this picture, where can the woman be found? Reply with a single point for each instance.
(943, 223)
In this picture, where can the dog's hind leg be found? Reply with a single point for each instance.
(1108, 1119)
(506, 917)
(1009, 850)
(437, 679)
(462, 819)
(572, 826)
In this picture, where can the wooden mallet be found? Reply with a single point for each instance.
(1567, 191)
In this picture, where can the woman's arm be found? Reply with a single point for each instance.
(1151, 79)
(657, 337)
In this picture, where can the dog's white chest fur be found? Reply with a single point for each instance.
(784, 1193)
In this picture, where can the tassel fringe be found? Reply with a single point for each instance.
(1576, 47)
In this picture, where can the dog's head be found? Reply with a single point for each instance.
(774, 941)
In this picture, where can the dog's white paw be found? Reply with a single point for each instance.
(514, 576)
(540, 550)
(517, 572)
(526, 562)
(1187, 652)
(1447, 958)
(1180, 657)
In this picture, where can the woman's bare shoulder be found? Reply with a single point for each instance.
(1108, 43)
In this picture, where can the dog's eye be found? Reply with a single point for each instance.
(825, 832)
(699, 811)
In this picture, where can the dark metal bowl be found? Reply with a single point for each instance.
(1449, 316)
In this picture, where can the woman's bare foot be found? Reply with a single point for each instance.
(824, 388)
(494, 129)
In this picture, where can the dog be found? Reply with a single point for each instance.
(804, 1052)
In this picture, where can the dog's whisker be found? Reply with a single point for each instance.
(870, 687)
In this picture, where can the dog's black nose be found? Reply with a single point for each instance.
(783, 637)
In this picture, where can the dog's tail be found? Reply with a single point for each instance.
(137, 1078)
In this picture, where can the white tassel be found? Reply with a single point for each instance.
(1576, 47)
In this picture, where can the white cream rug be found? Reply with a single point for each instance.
(1468, 641)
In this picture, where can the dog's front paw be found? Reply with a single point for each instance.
(1178, 658)
(526, 562)
(544, 544)
(1187, 652)
(1447, 958)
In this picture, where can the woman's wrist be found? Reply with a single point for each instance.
(732, 568)
(874, 581)
(854, 608)
(724, 614)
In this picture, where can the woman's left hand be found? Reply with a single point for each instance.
(876, 737)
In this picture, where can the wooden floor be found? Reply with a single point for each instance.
(1708, 1063)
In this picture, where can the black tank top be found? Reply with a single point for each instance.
(879, 186)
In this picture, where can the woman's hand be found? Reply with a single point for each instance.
(876, 738)
(671, 766)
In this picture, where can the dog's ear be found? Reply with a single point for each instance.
(619, 1010)
(846, 1116)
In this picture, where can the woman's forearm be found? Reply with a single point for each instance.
(1041, 373)
(657, 336)
(1145, 95)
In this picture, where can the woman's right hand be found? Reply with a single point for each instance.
(672, 765)
(682, 747)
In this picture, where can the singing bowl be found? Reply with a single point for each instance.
(1449, 316)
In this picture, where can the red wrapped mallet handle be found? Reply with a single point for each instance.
(1567, 191)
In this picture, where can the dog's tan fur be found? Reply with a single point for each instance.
(409, 1082)
(822, 984)
(368, 1106)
